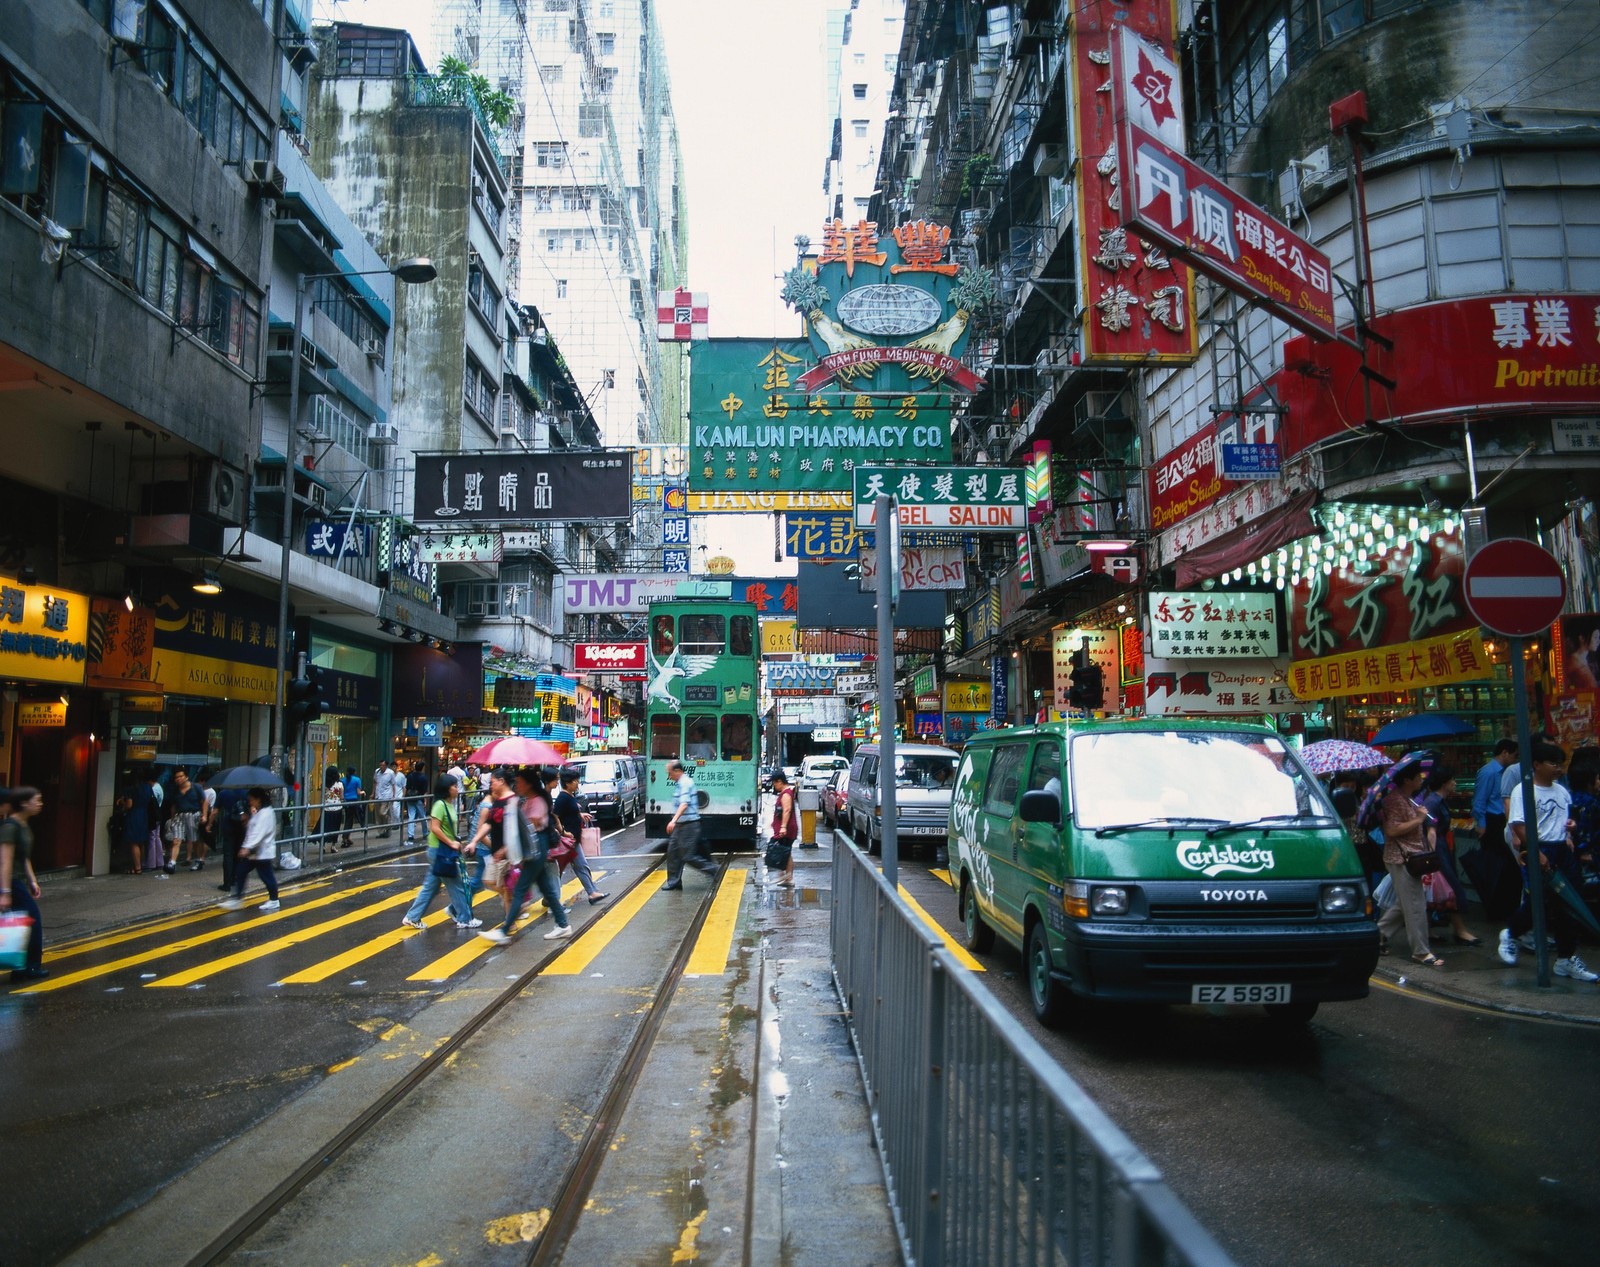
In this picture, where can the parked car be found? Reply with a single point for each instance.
(923, 776)
(817, 770)
(609, 786)
(834, 793)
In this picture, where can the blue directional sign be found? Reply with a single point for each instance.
(1251, 461)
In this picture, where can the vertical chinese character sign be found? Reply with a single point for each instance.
(1138, 304)
(681, 315)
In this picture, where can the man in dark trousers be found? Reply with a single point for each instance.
(416, 803)
(572, 820)
(683, 829)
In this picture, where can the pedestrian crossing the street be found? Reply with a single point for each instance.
(332, 923)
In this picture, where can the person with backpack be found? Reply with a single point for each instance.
(785, 830)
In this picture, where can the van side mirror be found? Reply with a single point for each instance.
(1040, 807)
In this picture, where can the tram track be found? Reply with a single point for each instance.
(572, 1192)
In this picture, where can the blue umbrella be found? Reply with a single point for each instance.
(1424, 726)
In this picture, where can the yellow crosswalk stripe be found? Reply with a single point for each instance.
(577, 957)
(376, 946)
(715, 943)
(132, 933)
(951, 944)
(447, 965)
(189, 943)
(252, 953)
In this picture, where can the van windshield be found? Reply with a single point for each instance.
(1220, 779)
(925, 770)
(602, 770)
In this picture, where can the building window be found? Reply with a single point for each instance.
(859, 91)
(591, 118)
(561, 288)
(859, 126)
(483, 295)
(478, 391)
(608, 44)
(549, 154)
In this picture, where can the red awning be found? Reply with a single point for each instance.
(1249, 543)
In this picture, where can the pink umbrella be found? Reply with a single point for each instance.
(1333, 755)
(517, 750)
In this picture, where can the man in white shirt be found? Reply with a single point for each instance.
(1552, 850)
(383, 797)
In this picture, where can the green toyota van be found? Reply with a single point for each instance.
(1159, 861)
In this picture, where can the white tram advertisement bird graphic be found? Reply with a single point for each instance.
(665, 672)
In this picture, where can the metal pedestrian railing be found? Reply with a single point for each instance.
(303, 831)
(993, 1155)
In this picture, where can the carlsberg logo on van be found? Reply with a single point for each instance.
(1210, 860)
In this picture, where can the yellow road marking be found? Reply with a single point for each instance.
(67, 949)
(261, 951)
(578, 957)
(951, 944)
(447, 965)
(367, 949)
(189, 943)
(715, 943)
(939, 873)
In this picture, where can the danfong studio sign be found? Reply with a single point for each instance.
(509, 488)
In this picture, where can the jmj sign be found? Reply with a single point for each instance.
(608, 657)
(973, 499)
(602, 593)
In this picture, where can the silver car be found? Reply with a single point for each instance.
(923, 777)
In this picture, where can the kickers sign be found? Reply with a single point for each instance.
(608, 657)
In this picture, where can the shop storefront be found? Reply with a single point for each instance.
(352, 731)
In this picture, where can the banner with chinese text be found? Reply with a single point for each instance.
(43, 633)
(1105, 652)
(1407, 666)
(1217, 625)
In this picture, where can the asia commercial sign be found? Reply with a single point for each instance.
(799, 679)
(1138, 302)
(1214, 625)
(973, 499)
(601, 593)
(1195, 214)
(1508, 354)
(608, 657)
(523, 487)
(338, 541)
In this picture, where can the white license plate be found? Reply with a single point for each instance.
(924, 831)
(1239, 994)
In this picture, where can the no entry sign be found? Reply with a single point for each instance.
(1515, 587)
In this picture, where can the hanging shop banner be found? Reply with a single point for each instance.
(1394, 597)
(967, 697)
(674, 530)
(759, 442)
(1406, 666)
(999, 686)
(960, 728)
(819, 536)
(1186, 481)
(350, 694)
(1217, 625)
(779, 596)
(461, 547)
(453, 488)
(1509, 354)
(215, 646)
(858, 684)
(1575, 653)
(1037, 485)
(506, 693)
(888, 312)
(424, 682)
(1138, 302)
(925, 681)
(41, 714)
(919, 570)
(1104, 651)
(1172, 201)
(121, 646)
(1217, 688)
(326, 540)
(608, 657)
(1231, 511)
(604, 593)
(44, 633)
(796, 679)
(980, 621)
(1250, 461)
(778, 638)
(660, 464)
(971, 499)
(401, 567)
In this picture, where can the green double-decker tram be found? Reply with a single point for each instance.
(702, 707)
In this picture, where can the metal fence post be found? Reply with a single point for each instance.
(931, 1233)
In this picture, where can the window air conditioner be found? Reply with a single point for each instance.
(263, 176)
(373, 348)
(383, 433)
(1048, 160)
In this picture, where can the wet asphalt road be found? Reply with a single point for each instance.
(113, 1085)
(1392, 1130)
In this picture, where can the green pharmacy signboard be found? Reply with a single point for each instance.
(783, 424)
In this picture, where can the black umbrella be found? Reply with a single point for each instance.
(245, 776)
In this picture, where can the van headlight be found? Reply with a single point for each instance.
(1341, 899)
(1109, 901)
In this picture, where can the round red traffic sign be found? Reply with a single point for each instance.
(1515, 587)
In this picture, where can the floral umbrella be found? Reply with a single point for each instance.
(1333, 755)
(1380, 789)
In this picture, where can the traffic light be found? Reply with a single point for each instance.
(303, 697)
(1088, 689)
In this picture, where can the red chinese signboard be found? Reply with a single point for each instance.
(1506, 354)
(1400, 596)
(1185, 480)
(1138, 304)
(1180, 205)
(608, 657)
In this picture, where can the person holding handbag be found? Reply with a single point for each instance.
(445, 852)
(572, 820)
(1403, 820)
(528, 839)
(785, 830)
(19, 886)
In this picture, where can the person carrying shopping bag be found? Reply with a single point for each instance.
(528, 839)
(445, 854)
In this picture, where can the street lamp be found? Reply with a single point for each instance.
(416, 271)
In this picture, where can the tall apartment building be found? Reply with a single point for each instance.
(863, 52)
